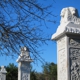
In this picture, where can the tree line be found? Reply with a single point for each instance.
(49, 72)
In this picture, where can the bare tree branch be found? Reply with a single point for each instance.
(20, 25)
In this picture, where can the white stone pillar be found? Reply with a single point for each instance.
(68, 45)
(24, 61)
(3, 73)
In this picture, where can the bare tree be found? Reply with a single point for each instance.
(20, 25)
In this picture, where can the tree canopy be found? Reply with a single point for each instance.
(50, 71)
(12, 72)
(20, 25)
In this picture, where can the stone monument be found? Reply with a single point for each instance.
(3, 73)
(67, 37)
(24, 61)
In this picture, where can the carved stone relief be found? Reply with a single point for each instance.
(24, 76)
(69, 14)
(74, 42)
(75, 63)
(25, 52)
(74, 52)
(72, 30)
(25, 73)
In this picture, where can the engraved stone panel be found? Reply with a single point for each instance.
(75, 63)
(25, 68)
(24, 76)
(74, 52)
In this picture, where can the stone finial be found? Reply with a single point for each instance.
(69, 23)
(3, 69)
(3, 73)
(25, 55)
(69, 14)
(25, 51)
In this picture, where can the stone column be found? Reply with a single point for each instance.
(67, 37)
(3, 73)
(24, 61)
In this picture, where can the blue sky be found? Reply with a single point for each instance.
(49, 51)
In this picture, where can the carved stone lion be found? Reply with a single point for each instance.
(69, 14)
(25, 51)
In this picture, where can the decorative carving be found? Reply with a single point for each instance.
(75, 63)
(74, 42)
(69, 14)
(75, 71)
(72, 30)
(74, 58)
(25, 51)
(24, 76)
(24, 56)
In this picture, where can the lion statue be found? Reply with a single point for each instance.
(69, 14)
(25, 51)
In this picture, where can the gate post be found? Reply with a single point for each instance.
(3, 73)
(24, 61)
(68, 45)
